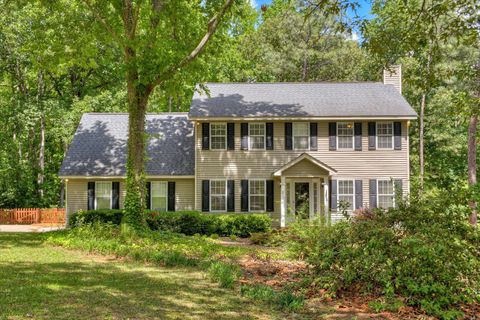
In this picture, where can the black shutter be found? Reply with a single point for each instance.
(372, 136)
(231, 196)
(149, 195)
(270, 195)
(313, 136)
(230, 136)
(115, 195)
(205, 136)
(397, 133)
(398, 189)
(288, 136)
(171, 196)
(269, 137)
(332, 136)
(91, 195)
(373, 193)
(244, 135)
(205, 195)
(358, 194)
(358, 136)
(244, 197)
(333, 195)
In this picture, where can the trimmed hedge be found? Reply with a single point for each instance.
(186, 222)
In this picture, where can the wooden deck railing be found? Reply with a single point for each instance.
(32, 215)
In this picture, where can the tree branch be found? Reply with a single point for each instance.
(103, 22)
(212, 27)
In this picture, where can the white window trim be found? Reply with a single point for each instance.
(383, 194)
(210, 195)
(264, 195)
(293, 136)
(211, 136)
(151, 193)
(353, 136)
(376, 135)
(111, 193)
(354, 192)
(264, 136)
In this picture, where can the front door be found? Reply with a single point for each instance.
(302, 200)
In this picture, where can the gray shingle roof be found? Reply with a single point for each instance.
(363, 99)
(99, 146)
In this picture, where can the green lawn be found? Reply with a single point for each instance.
(39, 281)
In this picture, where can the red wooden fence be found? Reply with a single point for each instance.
(32, 215)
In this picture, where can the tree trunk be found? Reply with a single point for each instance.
(41, 157)
(137, 95)
(421, 141)
(472, 163)
(169, 103)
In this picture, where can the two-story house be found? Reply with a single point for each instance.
(281, 148)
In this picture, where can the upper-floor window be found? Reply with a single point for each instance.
(218, 195)
(218, 136)
(346, 193)
(158, 195)
(301, 135)
(345, 135)
(386, 194)
(103, 195)
(384, 135)
(256, 133)
(256, 190)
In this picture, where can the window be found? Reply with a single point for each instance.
(301, 135)
(158, 194)
(103, 195)
(257, 195)
(218, 195)
(218, 136)
(386, 194)
(256, 133)
(384, 135)
(345, 135)
(346, 193)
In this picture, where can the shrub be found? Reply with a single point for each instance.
(186, 222)
(425, 252)
(80, 217)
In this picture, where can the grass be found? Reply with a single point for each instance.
(39, 281)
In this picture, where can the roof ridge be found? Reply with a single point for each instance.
(299, 83)
(126, 113)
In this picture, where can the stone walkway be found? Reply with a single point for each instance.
(29, 227)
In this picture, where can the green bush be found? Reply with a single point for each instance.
(186, 222)
(80, 217)
(425, 252)
(224, 273)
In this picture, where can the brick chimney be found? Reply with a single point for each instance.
(392, 75)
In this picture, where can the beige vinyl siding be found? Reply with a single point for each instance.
(260, 164)
(77, 193)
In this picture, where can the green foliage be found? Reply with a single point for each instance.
(224, 273)
(166, 248)
(425, 252)
(284, 299)
(91, 216)
(186, 222)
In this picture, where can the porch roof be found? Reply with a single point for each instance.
(306, 157)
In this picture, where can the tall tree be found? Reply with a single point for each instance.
(159, 40)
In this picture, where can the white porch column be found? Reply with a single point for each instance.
(326, 194)
(283, 201)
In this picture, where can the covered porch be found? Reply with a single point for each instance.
(304, 188)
